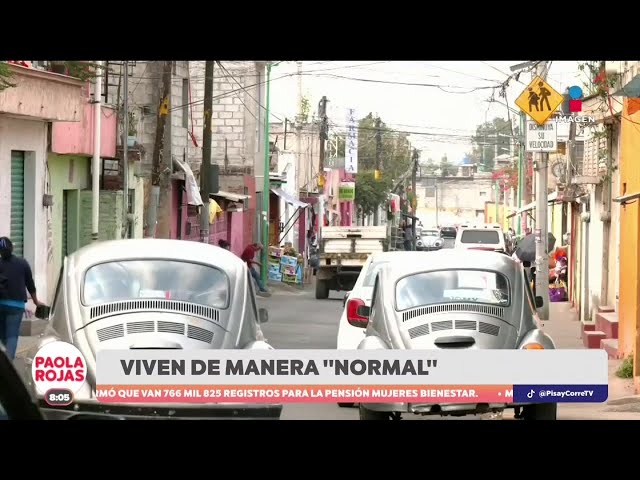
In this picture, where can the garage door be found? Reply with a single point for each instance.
(17, 202)
(65, 206)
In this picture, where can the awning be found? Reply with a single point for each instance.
(290, 199)
(234, 197)
(532, 206)
(631, 89)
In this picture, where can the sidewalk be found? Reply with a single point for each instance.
(564, 327)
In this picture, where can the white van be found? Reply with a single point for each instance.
(482, 237)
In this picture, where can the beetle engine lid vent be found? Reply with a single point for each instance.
(173, 306)
(491, 310)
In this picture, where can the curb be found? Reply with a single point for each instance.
(629, 400)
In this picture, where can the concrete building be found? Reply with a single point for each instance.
(144, 92)
(285, 139)
(238, 142)
(69, 163)
(27, 202)
(453, 200)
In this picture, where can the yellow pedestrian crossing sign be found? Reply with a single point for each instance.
(539, 100)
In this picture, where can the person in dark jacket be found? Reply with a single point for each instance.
(16, 280)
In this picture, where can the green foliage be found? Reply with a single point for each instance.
(83, 70)
(484, 142)
(5, 76)
(77, 69)
(429, 167)
(306, 108)
(395, 161)
(446, 168)
(371, 192)
(626, 368)
(395, 157)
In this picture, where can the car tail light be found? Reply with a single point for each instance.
(353, 317)
(533, 346)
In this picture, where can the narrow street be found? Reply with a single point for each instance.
(298, 320)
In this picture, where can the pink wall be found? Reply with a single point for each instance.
(76, 138)
(176, 207)
(237, 233)
(234, 227)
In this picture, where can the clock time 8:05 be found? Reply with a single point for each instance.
(59, 397)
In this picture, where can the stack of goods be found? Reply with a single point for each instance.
(283, 267)
(275, 253)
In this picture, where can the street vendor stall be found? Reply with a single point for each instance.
(285, 265)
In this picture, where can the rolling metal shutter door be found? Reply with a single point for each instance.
(65, 206)
(17, 202)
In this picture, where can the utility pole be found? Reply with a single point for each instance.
(158, 181)
(265, 181)
(205, 168)
(322, 112)
(125, 152)
(542, 205)
(521, 159)
(376, 212)
(298, 125)
(95, 161)
(414, 174)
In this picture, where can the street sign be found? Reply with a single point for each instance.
(351, 146)
(334, 162)
(347, 191)
(542, 138)
(539, 100)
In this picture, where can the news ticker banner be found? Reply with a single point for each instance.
(367, 376)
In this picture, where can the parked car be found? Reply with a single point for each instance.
(481, 237)
(448, 232)
(154, 294)
(429, 239)
(411, 308)
(350, 329)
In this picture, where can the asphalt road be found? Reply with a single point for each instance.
(298, 320)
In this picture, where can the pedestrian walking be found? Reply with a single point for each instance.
(224, 244)
(16, 279)
(408, 237)
(248, 257)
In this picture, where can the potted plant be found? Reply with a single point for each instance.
(133, 129)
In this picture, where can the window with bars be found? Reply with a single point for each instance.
(588, 163)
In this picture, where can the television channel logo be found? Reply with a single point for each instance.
(575, 99)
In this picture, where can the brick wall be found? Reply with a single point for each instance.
(236, 113)
(145, 86)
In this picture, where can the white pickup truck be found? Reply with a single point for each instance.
(343, 253)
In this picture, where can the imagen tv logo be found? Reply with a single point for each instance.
(572, 107)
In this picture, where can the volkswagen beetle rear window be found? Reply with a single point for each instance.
(452, 286)
(155, 279)
(482, 237)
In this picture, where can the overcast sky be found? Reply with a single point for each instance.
(441, 118)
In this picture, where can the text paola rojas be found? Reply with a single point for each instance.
(59, 369)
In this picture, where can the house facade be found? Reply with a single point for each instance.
(238, 146)
(27, 200)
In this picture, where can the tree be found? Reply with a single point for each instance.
(370, 193)
(446, 168)
(395, 158)
(429, 167)
(306, 108)
(395, 161)
(489, 135)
